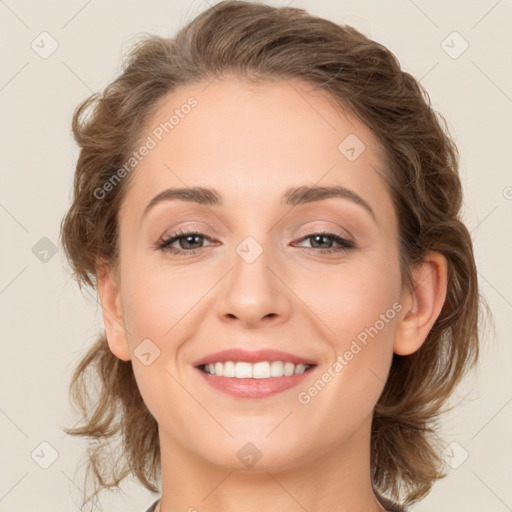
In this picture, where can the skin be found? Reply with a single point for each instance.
(251, 142)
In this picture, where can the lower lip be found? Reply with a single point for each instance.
(254, 388)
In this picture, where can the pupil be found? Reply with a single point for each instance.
(189, 239)
(318, 238)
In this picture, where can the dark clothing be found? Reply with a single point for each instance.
(152, 508)
(385, 503)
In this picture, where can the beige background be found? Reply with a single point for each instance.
(47, 324)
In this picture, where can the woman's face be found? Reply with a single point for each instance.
(273, 263)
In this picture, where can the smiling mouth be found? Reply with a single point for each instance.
(259, 370)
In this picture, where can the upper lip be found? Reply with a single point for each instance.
(253, 356)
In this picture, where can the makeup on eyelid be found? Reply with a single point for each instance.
(349, 214)
(347, 227)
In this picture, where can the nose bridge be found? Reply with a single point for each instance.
(253, 293)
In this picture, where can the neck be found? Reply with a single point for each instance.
(338, 480)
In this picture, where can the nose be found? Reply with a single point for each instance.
(255, 294)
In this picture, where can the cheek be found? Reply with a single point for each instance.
(358, 306)
(344, 301)
(158, 305)
(156, 300)
(348, 299)
(360, 310)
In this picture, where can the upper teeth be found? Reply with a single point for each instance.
(261, 370)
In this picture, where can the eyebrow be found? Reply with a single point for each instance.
(293, 196)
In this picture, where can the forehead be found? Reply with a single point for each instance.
(255, 139)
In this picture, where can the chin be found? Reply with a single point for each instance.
(253, 451)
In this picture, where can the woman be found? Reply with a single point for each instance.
(270, 211)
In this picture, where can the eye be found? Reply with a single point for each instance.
(189, 242)
(326, 240)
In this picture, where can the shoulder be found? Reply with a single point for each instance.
(152, 508)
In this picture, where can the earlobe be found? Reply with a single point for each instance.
(422, 304)
(108, 290)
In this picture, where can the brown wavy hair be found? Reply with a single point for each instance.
(260, 42)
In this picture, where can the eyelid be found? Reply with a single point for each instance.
(339, 231)
(204, 232)
(199, 228)
(344, 242)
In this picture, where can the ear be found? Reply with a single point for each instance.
(108, 290)
(421, 305)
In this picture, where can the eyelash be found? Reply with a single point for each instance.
(164, 243)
